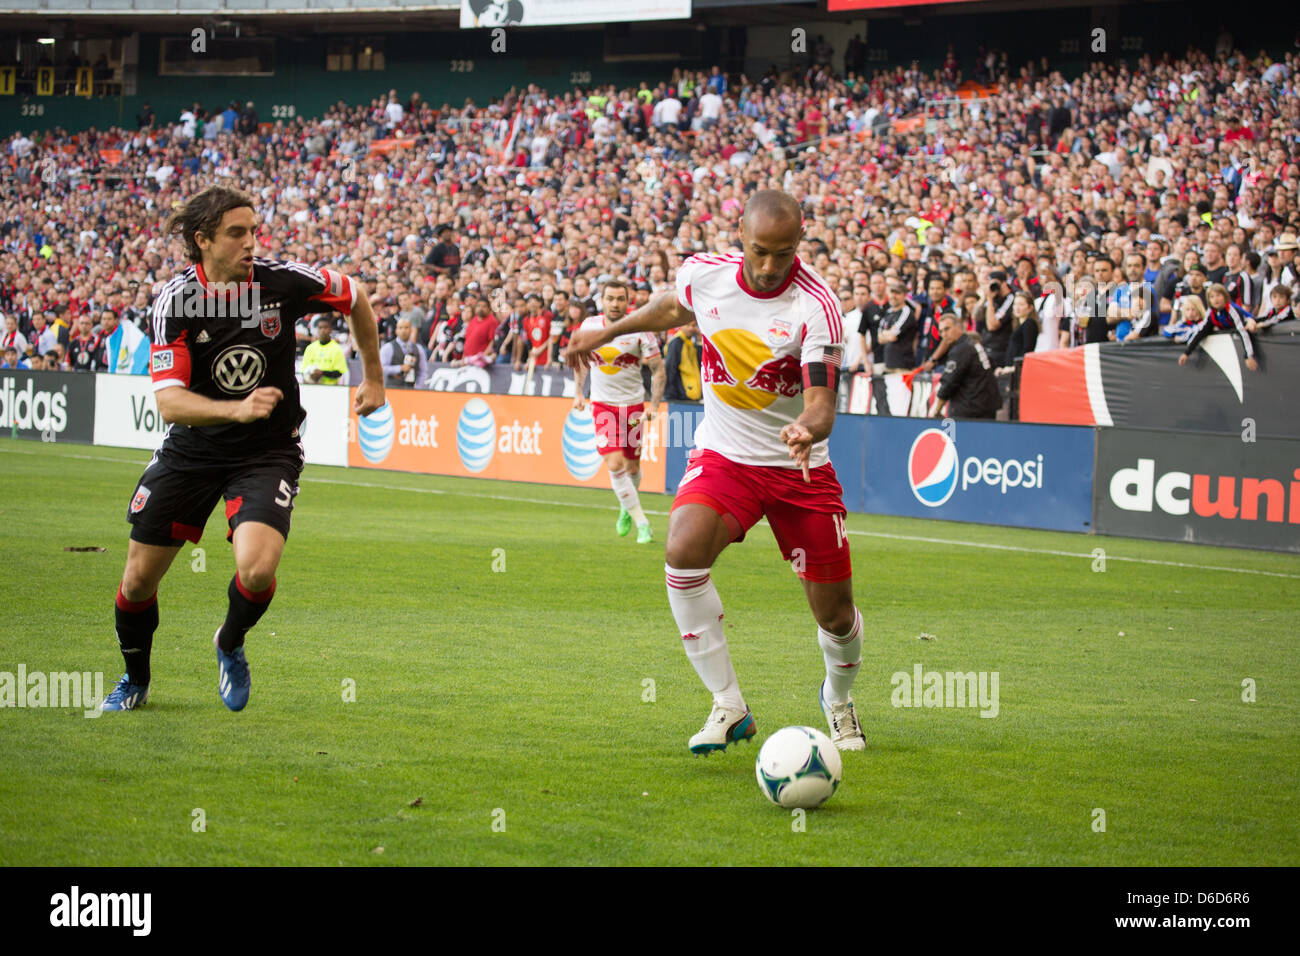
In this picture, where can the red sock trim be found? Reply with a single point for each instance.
(134, 607)
(257, 597)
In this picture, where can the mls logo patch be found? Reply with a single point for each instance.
(162, 361)
(271, 323)
(139, 501)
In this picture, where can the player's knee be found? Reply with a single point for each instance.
(137, 586)
(836, 621)
(257, 576)
(682, 554)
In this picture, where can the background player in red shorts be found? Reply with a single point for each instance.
(222, 363)
(618, 408)
(772, 341)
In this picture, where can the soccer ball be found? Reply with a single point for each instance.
(798, 767)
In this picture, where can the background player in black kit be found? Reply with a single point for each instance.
(222, 364)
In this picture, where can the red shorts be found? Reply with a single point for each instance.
(807, 519)
(618, 428)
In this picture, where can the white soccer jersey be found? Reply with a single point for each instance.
(754, 347)
(616, 367)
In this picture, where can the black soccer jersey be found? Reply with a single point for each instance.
(223, 344)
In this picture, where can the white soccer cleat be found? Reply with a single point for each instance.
(846, 732)
(723, 727)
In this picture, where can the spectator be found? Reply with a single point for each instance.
(480, 333)
(248, 120)
(12, 338)
(968, 386)
(323, 361)
(993, 317)
(1280, 310)
(85, 348)
(536, 328)
(450, 335)
(45, 333)
(1221, 316)
(404, 360)
(229, 117)
(444, 257)
(11, 359)
(897, 330)
(682, 365)
(1024, 330)
(124, 349)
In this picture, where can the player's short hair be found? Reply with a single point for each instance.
(616, 283)
(202, 214)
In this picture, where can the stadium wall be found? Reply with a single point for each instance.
(1229, 490)
(1141, 385)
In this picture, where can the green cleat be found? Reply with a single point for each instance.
(624, 524)
(643, 534)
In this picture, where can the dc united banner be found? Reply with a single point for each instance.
(541, 13)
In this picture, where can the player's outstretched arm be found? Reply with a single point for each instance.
(365, 338)
(813, 424)
(180, 406)
(660, 314)
(658, 379)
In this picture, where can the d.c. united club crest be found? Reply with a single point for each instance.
(138, 502)
(271, 323)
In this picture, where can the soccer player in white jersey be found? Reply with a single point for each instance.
(773, 338)
(618, 408)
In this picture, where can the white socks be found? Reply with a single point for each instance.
(625, 488)
(843, 654)
(698, 612)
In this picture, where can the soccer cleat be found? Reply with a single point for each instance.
(643, 534)
(232, 675)
(846, 732)
(624, 524)
(126, 696)
(722, 728)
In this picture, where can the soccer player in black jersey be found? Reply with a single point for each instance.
(222, 363)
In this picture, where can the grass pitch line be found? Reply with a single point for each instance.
(922, 539)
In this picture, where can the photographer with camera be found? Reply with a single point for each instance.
(993, 317)
(404, 360)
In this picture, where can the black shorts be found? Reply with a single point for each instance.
(176, 494)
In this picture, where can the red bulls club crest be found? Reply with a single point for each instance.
(779, 333)
(138, 502)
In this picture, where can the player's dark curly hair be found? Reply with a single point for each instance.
(202, 214)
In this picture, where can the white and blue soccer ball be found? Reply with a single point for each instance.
(798, 767)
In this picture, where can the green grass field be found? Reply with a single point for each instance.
(517, 696)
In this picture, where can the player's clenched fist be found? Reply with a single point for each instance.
(258, 404)
(370, 396)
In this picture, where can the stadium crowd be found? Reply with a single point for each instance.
(1040, 210)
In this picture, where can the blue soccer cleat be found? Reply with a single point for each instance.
(232, 675)
(126, 696)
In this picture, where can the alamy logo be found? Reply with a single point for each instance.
(81, 689)
(73, 909)
(951, 689)
(238, 369)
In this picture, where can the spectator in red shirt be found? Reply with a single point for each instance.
(537, 332)
(480, 331)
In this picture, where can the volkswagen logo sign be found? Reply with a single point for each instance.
(238, 369)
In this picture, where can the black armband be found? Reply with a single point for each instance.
(821, 374)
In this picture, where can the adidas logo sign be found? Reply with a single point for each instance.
(203, 337)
